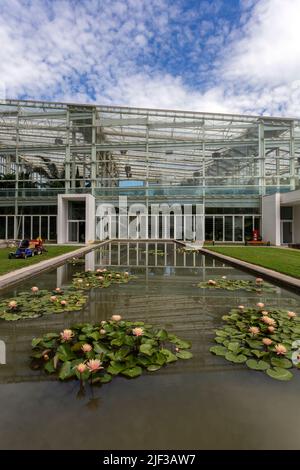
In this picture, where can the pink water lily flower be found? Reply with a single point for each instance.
(94, 364)
(53, 298)
(86, 347)
(280, 349)
(292, 314)
(211, 282)
(126, 274)
(271, 329)
(267, 341)
(34, 289)
(63, 303)
(259, 280)
(102, 331)
(241, 307)
(66, 335)
(268, 320)
(260, 305)
(81, 368)
(138, 331)
(116, 318)
(264, 312)
(100, 278)
(12, 304)
(58, 289)
(254, 330)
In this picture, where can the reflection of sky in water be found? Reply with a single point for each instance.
(202, 403)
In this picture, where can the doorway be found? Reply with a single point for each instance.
(286, 232)
(76, 221)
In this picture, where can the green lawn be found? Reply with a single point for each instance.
(279, 259)
(7, 265)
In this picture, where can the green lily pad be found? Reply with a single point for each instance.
(184, 354)
(218, 350)
(279, 373)
(257, 365)
(236, 358)
(281, 362)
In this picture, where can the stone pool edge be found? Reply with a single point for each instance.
(283, 279)
(14, 277)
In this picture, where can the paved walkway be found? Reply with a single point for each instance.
(284, 279)
(13, 277)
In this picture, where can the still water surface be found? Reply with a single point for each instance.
(203, 403)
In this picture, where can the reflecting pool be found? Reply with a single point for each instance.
(202, 403)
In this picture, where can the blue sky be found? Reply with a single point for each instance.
(218, 56)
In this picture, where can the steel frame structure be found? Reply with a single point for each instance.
(149, 155)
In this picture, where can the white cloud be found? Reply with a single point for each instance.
(97, 53)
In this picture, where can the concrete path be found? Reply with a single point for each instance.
(283, 279)
(13, 277)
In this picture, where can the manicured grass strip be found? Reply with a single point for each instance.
(8, 265)
(279, 259)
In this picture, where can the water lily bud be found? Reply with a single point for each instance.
(34, 289)
(260, 305)
(116, 318)
(138, 331)
(81, 368)
(267, 341)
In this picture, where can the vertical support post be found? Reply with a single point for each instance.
(292, 157)
(68, 155)
(93, 152)
(261, 155)
(16, 228)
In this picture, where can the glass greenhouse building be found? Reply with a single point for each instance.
(68, 169)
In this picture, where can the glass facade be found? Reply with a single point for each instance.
(224, 162)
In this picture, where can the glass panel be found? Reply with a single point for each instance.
(238, 229)
(286, 213)
(2, 227)
(209, 228)
(10, 227)
(76, 210)
(248, 224)
(257, 223)
(228, 229)
(35, 226)
(219, 228)
(20, 227)
(53, 234)
(73, 232)
(44, 227)
(27, 227)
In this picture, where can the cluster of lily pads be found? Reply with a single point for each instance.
(102, 277)
(36, 303)
(99, 352)
(259, 285)
(188, 250)
(264, 339)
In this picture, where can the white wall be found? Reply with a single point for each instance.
(271, 218)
